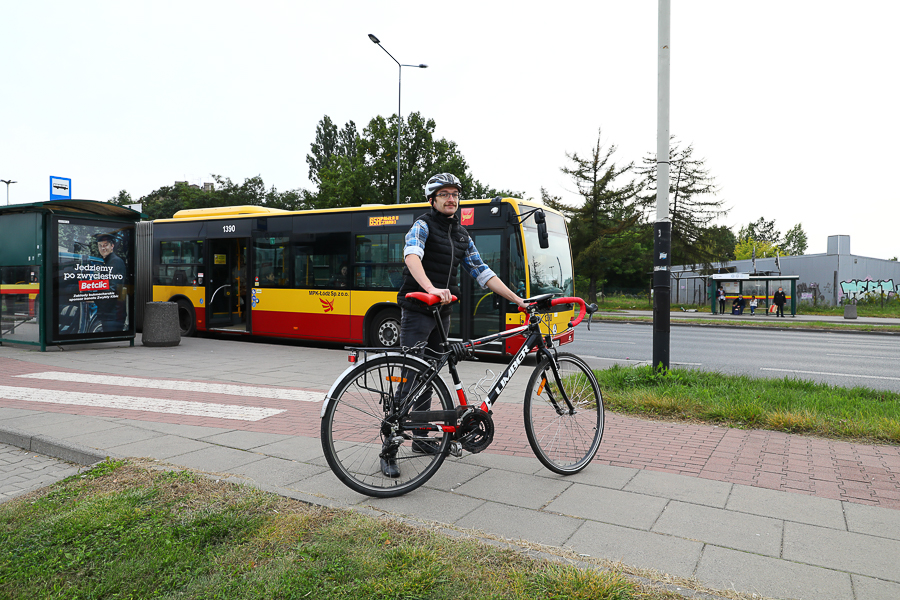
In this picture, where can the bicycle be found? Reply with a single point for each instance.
(373, 411)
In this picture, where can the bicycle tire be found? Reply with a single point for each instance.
(564, 443)
(354, 431)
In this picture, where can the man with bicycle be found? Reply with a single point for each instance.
(435, 246)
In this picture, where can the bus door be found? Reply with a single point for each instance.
(227, 289)
(484, 312)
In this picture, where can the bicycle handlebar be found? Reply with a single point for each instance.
(572, 300)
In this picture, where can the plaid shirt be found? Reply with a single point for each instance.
(415, 244)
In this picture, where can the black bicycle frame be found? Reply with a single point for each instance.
(421, 419)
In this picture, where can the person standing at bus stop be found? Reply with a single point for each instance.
(435, 246)
(779, 299)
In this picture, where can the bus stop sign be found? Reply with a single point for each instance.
(60, 188)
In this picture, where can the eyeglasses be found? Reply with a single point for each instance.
(445, 195)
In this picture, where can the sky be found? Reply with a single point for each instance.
(791, 104)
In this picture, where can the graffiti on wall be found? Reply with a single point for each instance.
(859, 289)
(814, 292)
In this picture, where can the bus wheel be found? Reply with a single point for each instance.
(385, 332)
(187, 319)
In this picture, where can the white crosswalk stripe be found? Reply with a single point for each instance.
(247, 391)
(157, 405)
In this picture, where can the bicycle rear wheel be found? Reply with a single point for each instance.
(565, 442)
(359, 427)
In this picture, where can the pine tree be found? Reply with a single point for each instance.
(692, 203)
(598, 228)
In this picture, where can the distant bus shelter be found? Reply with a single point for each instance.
(749, 285)
(66, 273)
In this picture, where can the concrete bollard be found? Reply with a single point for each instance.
(161, 324)
(849, 311)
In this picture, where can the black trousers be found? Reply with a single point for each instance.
(416, 327)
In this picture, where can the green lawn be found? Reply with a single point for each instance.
(789, 405)
(128, 530)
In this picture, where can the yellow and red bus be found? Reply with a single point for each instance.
(333, 275)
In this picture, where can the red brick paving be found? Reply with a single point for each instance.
(865, 474)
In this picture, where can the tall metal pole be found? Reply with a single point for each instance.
(375, 40)
(399, 123)
(662, 229)
(7, 182)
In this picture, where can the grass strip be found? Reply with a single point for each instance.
(125, 530)
(789, 405)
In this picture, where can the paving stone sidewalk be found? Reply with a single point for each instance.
(722, 506)
(22, 471)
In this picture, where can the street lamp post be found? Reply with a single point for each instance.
(7, 182)
(375, 40)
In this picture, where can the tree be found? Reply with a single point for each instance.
(761, 231)
(353, 168)
(794, 243)
(165, 201)
(744, 249)
(692, 202)
(599, 229)
(719, 242)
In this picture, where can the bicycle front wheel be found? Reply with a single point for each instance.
(360, 430)
(564, 439)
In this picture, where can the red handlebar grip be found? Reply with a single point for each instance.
(573, 300)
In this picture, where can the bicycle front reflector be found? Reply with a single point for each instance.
(395, 379)
(541, 387)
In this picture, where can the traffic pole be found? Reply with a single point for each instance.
(662, 228)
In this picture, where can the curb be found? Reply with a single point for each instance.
(40, 444)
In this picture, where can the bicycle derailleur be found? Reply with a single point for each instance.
(475, 431)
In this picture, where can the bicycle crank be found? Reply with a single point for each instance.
(477, 429)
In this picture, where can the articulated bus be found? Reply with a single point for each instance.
(333, 275)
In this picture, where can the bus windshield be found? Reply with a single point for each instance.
(550, 269)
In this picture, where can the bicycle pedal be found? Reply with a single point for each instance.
(456, 449)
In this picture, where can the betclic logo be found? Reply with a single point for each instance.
(92, 285)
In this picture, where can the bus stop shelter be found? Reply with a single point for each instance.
(66, 273)
(749, 285)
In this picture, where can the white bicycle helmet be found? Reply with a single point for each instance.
(441, 180)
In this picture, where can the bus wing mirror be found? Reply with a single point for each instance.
(541, 221)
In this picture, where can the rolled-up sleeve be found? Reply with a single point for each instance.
(475, 267)
(415, 239)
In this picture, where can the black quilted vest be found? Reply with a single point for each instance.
(445, 248)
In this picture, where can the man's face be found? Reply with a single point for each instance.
(106, 247)
(446, 200)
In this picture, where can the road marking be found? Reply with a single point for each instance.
(181, 386)
(863, 356)
(174, 407)
(832, 374)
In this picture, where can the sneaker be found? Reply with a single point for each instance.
(389, 468)
(425, 447)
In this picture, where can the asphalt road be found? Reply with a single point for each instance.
(842, 359)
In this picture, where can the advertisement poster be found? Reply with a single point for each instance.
(94, 275)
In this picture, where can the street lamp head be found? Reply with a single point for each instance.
(374, 39)
(423, 66)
